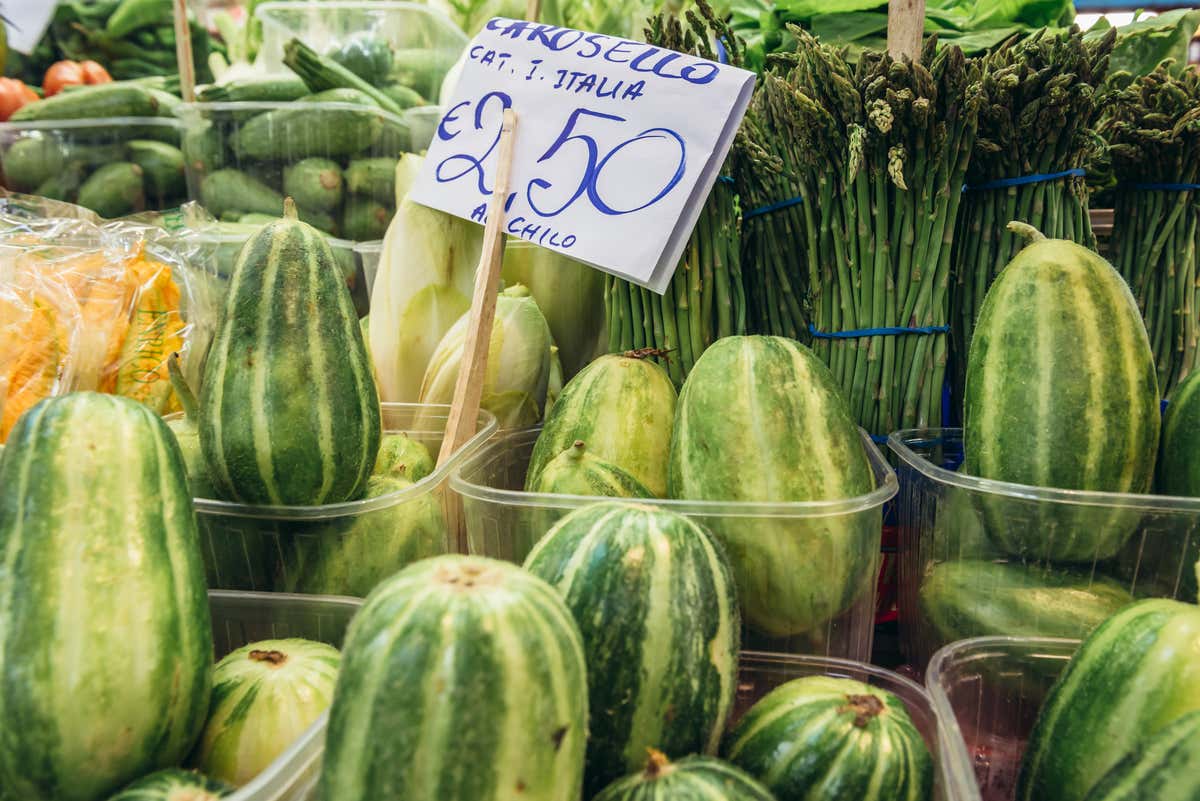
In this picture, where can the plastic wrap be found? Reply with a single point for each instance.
(88, 305)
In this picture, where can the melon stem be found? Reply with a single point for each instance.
(1026, 231)
(656, 763)
(289, 209)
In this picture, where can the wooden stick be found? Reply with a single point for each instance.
(464, 410)
(533, 8)
(906, 26)
(468, 390)
(183, 52)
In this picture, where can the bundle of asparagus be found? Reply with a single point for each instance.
(1036, 130)
(705, 300)
(1153, 129)
(876, 156)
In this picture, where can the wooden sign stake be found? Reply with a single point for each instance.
(468, 390)
(906, 26)
(532, 9)
(183, 53)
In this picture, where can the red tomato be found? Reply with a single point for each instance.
(94, 73)
(60, 74)
(13, 95)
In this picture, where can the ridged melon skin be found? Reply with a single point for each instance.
(1132, 677)
(1061, 392)
(462, 679)
(289, 412)
(656, 604)
(694, 778)
(105, 632)
(835, 739)
(173, 784)
(623, 408)
(1179, 454)
(265, 695)
(1165, 768)
(761, 419)
(977, 599)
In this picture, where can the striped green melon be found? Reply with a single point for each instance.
(694, 778)
(187, 433)
(834, 739)
(462, 679)
(1132, 677)
(401, 456)
(1165, 768)
(1061, 392)
(341, 559)
(289, 413)
(576, 471)
(174, 784)
(655, 602)
(761, 419)
(105, 633)
(265, 695)
(1179, 474)
(976, 599)
(622, 407)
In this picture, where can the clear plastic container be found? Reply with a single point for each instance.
(504, 522)
(947, 519)
(368, 254)
(987, 692)
(759, 673)
(424, 42)
(265, 141)
(342, 548)
(56, 158)
(240, 618)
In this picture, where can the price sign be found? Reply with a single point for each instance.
(618, 146)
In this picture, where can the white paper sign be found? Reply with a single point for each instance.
(27, 20)
(617, 144)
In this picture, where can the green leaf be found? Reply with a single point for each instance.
(1144, 44)
(848, 27)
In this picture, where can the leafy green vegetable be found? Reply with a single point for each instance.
(1145, 43)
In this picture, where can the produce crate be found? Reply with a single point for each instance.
(759, 673)
(342, 548)
(425, 42)
(240, 618)
(504, 522)
(949, 522)
(243, 158)
(987, 692)
(56, 159)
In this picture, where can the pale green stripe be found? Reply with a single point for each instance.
(215, 420)
(656, 645)
(722, 639)
(260, 424)
(320, 366)
(786, 753)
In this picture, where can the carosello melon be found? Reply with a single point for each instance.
(1061, 392)
(761, 419)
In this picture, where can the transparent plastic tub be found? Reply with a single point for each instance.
(759, 673)
(951, 522)
(342, 548)
(56, 158)
(240, 618)
(791, 546)
(368, 254)
(987, 692)
(241, 159)
(424, 41)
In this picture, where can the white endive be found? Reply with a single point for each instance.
(571, 295)
(424, 283)
(519, 362)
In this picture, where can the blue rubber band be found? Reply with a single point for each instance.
(878, 332)
(725, 179)
(1167, 187)
(783, 204)
(722, 53)
(1002, 183)
(879, 439)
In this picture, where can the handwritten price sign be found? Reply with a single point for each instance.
(617, 147)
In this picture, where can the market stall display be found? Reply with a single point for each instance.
(229, 335)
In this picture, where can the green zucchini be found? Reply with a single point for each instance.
(99, 101)
(373, 178)
(31, 160)
(298, 132)
(315, 184)
(203, 147)
(162, 167)
(230, 190)
(367, 57)
(269, 90)
(364, 219)
(404, 96)
(114, 190)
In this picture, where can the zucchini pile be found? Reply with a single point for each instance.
(123, 158)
